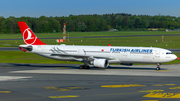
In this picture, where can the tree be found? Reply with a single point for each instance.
(7, 27)
(132, 28)
(126, 28)
(119, 28)
(137, 23)
(124, 23)
(152, 24)
(172, 28)
(89, 22)
(1, 20)
(143, 24)
(81, 26)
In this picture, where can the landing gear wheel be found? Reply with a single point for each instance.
(87, 67)
(84, 67)
(81, 67)
(158, 68)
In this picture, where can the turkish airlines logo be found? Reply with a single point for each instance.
(28, 36)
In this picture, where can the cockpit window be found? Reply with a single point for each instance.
(169, 53)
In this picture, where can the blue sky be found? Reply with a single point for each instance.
(37, 8)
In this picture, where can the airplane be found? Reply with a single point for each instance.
(98, 56)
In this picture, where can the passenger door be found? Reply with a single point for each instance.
(156, 55)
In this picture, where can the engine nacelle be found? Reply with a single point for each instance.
(101, 63)
(127, 64)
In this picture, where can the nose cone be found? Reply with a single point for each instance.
(174, 57)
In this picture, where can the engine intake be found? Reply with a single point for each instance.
(101, 63)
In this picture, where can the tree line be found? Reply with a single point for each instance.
(88, 23)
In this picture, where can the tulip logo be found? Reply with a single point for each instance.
(29, 37)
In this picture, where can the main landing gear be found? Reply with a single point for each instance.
(158, 66)
(84, 67)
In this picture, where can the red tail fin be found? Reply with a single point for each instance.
(28, 35)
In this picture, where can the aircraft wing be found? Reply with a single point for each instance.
(83, 56)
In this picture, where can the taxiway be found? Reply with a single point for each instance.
(65, 82)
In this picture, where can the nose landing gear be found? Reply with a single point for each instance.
(158, 66)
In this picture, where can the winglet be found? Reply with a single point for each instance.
(28, 35)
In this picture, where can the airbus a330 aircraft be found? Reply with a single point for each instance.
(98, 56)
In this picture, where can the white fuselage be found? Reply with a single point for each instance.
(118, 54)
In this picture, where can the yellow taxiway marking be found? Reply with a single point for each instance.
(64, 88)
(163, 95)
(161, 70)
(151, 91)
(56, 88)
(174, 88)
(157, 85)
(5, 91)
(170, 84)
(118, 86)
(5, 67)
(164, 85)
(150, 100)
(66, 96)
(113, 94)
(8, 67)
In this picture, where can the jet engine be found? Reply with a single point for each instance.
(101, 63)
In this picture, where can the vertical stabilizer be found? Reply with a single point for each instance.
(28, 35)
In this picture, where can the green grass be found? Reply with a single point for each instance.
(171, 42)
(78, 34)
(26, 57)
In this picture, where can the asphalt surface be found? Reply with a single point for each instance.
(9, 49)
(101, 36)
(65, 82)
